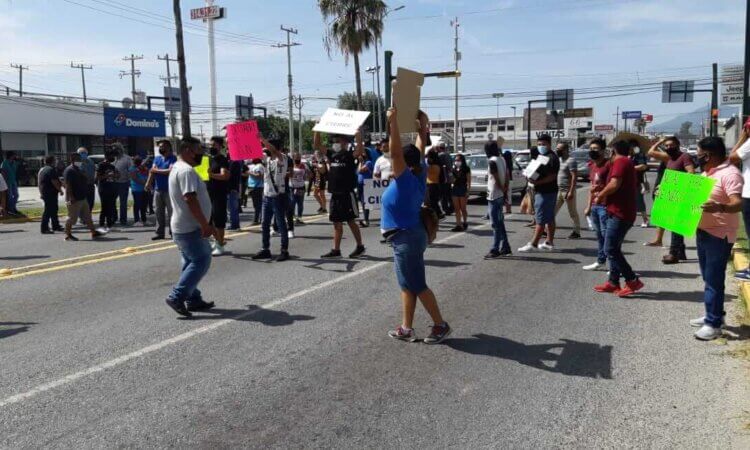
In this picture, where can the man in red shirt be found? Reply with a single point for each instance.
(619, 196)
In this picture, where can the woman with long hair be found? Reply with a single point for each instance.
(460, 191)
(402, 227)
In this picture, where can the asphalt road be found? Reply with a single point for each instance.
(296, 354)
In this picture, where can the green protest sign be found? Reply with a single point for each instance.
(678, 203)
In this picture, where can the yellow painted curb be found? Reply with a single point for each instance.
(741, 261)
(6, 272)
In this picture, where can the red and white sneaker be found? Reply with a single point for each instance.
(401, 334)
(607, 287)
(630, 288)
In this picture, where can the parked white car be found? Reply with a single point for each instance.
(479, 172)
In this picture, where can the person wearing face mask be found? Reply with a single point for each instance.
(382, 169)
(342, 184)
(364, 173)
(567, 178)
(191, 228)
(50, 188)
(497, 191)
(138, 177)
(106, 176)
(619, 196)
(159, 181)
(122, 184)
(75, 199)
(641, 166)
(9, 168)
(677, 160)
(218, 190)
(275, 200)
(320, 174)
(599, 167)
(717, 232)
(545, 197)
(89, 169)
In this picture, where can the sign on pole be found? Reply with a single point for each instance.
(243, 106)
(172, 97)
(207, 12)
(677, 91)
(732, 77)
(604, 128)
(677, 206)
(243, 141)
(341, 121)
(559, 99)
(648, 118)
(632, 114)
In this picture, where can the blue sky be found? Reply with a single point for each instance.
(508, 46)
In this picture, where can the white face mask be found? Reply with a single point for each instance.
(337, 147)
(77, 164)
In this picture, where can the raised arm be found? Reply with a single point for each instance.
(318, 143)
(734, 156)
(656, 153)
(359, 148)
(423, 130)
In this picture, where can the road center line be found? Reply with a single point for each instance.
(68, 379)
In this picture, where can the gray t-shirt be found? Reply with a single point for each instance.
(122, 164)
(183, 180)
(274, 176)
(568, 167)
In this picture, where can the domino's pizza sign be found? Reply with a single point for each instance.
(121, 122)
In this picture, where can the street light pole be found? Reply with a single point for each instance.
(377, 70)
(497, 97)
(289, 44)
(374, 71)
(456, 57)
(514, 125)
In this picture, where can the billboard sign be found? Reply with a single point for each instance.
(632, 114)
(648, 118)
(121, 122)
(172, 99)
(207, 12)
(731, 94)
(578, 113)
(559, 99)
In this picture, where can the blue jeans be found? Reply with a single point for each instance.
(12, 197)
(275, 208)
(122, 193)
(408, 259)
(614, 237)
(495, 210)
(233, 201)
(599, 218)
(713, 256)
(196, 259)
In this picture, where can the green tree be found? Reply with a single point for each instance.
(276, 127)
(352, 26)
(684, 133)
(640, 125)
(348, 100)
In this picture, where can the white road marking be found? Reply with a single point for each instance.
(68, 379)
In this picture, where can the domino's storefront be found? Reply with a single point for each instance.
(135, 129)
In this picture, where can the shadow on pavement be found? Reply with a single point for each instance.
(739, 333)
(446, 246)
(318, 264)
(666, 274)
(11, 231)
(579, 359)
(253, 313)
(441, 263)
(18, 327)
(23, 258)
(523, 257)
(674, 296)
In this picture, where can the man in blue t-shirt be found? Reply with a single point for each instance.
(158, 180)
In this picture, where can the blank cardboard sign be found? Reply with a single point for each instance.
(406, 93)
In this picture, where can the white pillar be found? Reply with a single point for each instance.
(212, 72)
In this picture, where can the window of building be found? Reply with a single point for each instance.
(483, 123)
(510, 128)
(468, 130)
(438, 125)
(481, 129)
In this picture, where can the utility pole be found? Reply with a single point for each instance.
(83, 77)
(168, 79)
(746, 82)
(289, 44)
(514, 124)
(497, 97)
(617, 120)
(184, 94)
(377, 76)
(715, 102)
(298, 100)
(133, 73)
(456, 57)
(212, 71)
(20, 68)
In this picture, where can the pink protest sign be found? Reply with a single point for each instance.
(243, 141)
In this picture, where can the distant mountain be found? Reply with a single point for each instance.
(697, 117)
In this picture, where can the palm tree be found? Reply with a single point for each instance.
(352, 26)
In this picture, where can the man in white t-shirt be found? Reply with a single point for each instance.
(497, 189)
(383, 169)
(275, 200)
(191, 210)
(741, 154)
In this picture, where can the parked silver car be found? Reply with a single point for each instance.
(479, 173)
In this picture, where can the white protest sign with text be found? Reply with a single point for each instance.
(374, 190)
(341, 121)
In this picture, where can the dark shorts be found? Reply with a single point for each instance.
(544, 207)
(343, 207)
(459, 191)
(640, 204)
(219, 211)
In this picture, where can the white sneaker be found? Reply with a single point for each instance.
(708, 333)
(699, 322)
(546, 246)
(218, 250)
(528, 248)
(594, 266)
(644, 225)
(290, 234)
(274, 233)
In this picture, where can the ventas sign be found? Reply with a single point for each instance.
(122, 122)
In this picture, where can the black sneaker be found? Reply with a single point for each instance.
(283, 256)
(357, 251)
(199, 305)
(178, 307)
(263, 254)
(58, 229)
(574, 235)
(506, 253)
(48, 232)
(466, 226)
(457, 228)
(332, 254)
(298, 221)
(70, 237)
(158, 237)
(438, 334)
(493, 254)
